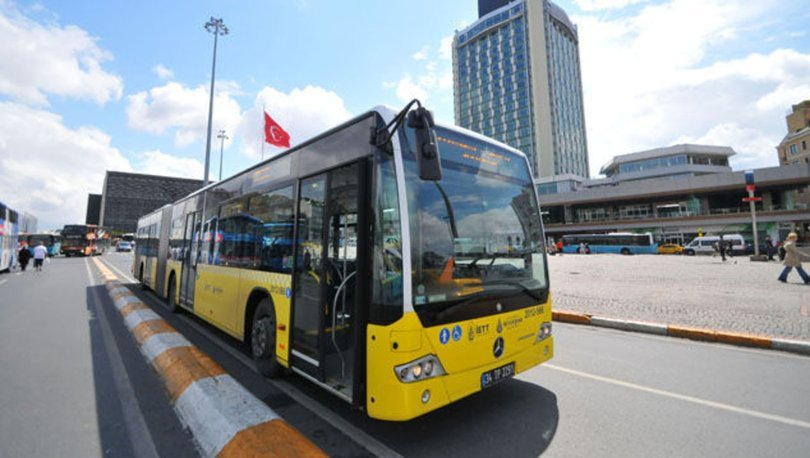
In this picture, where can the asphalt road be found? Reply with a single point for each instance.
(72, 381)
(606, 393)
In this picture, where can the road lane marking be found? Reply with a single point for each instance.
(682, 397)
(124, 275)
(140, 438)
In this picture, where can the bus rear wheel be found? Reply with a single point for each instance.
(171, 301)
(625, 251)
(263, 340)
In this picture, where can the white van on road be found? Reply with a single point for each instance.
(706, 244)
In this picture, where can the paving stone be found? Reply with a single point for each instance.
(699, 291)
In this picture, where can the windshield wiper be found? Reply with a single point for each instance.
(489, 295)
(521, 283)
(494, 256)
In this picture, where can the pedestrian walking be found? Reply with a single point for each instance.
(769, 247)
(40, 253)
(721, 247)
(560, 246)
(23, 256)
(793, 259)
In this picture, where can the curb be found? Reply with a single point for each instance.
(224, 418)
(702, 334)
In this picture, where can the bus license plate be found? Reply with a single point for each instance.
(497, 375)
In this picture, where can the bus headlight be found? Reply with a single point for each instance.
(423, 368)
(544, 332)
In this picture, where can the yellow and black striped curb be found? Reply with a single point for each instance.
(707, 335)
(223, 417)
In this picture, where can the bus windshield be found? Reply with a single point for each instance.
(476, 235)
(75, 231)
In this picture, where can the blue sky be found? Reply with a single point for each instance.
(90, 86)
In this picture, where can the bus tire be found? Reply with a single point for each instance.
(140, 277)
(170, 300)
(263, 340)
(625, 251)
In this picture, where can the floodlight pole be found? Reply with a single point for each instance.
(217, 27)
(222, 137)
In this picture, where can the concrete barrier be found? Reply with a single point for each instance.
(702, 334)
(225, 419)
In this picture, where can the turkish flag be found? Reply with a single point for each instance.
(274, 134)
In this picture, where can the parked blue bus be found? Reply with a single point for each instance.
(52, 242)
(617, 242)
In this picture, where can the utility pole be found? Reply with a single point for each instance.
(750, 186)
(222, 137)
(217, 27)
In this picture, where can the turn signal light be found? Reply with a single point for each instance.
(544, 332)
(423, 368)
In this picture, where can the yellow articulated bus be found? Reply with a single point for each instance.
(395, 263)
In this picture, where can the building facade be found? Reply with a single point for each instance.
(795, 147)
(676, 193)
(128, 196)
(93, 215)
(516, 78)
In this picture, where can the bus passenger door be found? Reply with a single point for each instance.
(325, 287)
(191, 242)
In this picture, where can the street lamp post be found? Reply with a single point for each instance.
(222, 137)
(217, 27)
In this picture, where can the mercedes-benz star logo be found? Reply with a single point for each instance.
(497, 348)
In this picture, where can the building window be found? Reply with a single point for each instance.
(804, 145)
(794, 149)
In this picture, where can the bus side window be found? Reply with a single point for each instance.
(272, 229)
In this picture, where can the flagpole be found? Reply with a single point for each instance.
(263, 139)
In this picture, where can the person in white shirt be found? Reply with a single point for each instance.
(40, 253)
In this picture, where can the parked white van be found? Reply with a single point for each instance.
(706, 244)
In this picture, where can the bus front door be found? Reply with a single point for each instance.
(191, 247)
(326, 328)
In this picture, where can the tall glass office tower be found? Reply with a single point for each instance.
(517, 79)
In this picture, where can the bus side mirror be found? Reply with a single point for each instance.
(427, 150)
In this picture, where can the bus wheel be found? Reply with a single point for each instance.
(140, 277)
(173, 307)
(625, 251)
(263, 340)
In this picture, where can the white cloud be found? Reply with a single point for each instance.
(664, 73)
(303, 113)
(163, 72)
(422, 54)
(754, 148)
(446, 48)
(183, 110)
(436, 76)
(47, 168)
(33, 53)
(159, 163)
(407, 89)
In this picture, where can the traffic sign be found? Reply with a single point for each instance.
(752, 199)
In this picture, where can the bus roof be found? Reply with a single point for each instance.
(387, 113)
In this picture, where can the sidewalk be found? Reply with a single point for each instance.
(738, 296)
